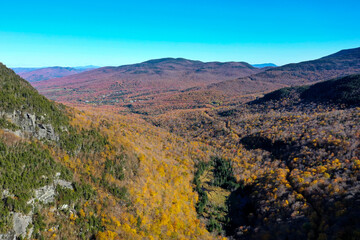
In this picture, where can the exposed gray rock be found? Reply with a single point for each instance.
(47, 131)
(64, 207)
(8, 236)
(31, 124)
(18, 133)
(6, 193)
(20, 224)
(64, 184)
(45, 194)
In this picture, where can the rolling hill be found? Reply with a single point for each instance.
(18, 70)
(150, 77)
(175, 83)
(41, 74)
(340, 64)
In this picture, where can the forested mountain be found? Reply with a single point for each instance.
(342, 63)
(116, 84)
(290, 166)
(283, 166)
(345, 90)
(161, 85)
(66, 174)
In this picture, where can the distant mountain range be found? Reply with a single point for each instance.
(186, 82)
(262, 65)
(285, 166)
(22, 70)
(340, 64)
(40, 74)
(159, 75)
(88, 67)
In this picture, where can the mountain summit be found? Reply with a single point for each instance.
(158, 75)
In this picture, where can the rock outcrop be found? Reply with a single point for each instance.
(31, 124)
(8, 236)
(43, 195)
(21, 223)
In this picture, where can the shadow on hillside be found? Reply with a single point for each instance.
(278, 149)
(240, 210)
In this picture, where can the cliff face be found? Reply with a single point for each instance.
(25, 112)
(29, 176)
(30, 125)
(22, 224)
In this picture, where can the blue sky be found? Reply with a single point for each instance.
(74, 33)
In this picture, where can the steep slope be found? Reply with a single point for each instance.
(21, 104)
(246, 171)
(28, 172)
(342, 63)
(102, 176)
(345, 90)
(41, 74)
(154, 76)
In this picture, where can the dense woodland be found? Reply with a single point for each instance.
(284, 166)
(295, 157)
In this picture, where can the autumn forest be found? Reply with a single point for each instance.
(182, 149)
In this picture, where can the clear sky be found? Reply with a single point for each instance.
(74, 33)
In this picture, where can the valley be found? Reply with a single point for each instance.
(181, 149)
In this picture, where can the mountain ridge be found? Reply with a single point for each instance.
(343, 91)
(287, 169)
(262, 65)
(341, 63)
(41, 74)
(157, 75)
